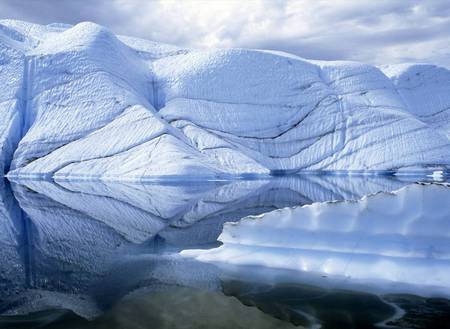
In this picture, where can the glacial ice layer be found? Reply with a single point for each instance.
(79, 101)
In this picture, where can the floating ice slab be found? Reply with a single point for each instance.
(394, 242)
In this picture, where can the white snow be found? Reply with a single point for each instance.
(388, 240)
(85, 103)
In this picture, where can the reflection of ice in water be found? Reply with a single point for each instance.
(396, 242)
(68, 238)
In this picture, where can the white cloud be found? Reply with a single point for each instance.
(383, 31)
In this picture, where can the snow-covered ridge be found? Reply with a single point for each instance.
(82, 102)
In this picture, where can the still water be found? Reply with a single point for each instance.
(107, 255)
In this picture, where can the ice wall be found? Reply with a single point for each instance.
(81, 102)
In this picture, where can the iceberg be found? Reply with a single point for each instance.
(81, 102)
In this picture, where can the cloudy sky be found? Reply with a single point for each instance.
(376, 31)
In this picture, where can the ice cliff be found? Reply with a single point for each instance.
(79, 101)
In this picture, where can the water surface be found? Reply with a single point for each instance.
(106, 255)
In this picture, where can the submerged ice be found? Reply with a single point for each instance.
(80, 101)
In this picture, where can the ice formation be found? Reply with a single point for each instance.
(390, 242)
(79, 101)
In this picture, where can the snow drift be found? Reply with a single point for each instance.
(82, 102)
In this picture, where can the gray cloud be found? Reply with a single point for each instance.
(384, 31)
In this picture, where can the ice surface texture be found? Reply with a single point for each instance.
(79, 101)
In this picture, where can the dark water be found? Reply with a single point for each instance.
(105, 255)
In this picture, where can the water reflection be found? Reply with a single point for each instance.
(318, 307)
(75, 249)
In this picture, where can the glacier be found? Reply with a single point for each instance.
(81, 102)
